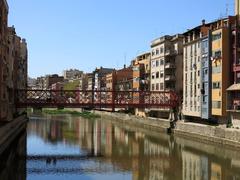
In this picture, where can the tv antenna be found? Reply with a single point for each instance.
(227, 9)
(125, 58)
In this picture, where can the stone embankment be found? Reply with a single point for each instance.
(198, 132)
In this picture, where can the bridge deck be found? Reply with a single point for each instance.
(96, 99)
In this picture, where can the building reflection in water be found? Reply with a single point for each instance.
(13, 160)
(144, 154)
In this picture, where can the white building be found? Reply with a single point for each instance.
(192, 73)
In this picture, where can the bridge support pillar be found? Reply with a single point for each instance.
(173, 119)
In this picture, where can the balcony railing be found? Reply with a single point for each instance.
(170, 78)
(170, 66)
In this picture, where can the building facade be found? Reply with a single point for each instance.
(166, 67)
(220, 67)
(72, 74)
(99, 76)
(124, 79)
(83, 82)
(13, 65)
(109, 81)
(207, 59)
(3, 60)
(167, 63)
(206, 77)
(141, 72)
(191, 73)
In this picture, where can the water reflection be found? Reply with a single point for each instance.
(70, 147)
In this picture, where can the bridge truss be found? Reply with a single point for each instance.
(95, 99)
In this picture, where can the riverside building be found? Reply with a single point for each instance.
(207, 62)
(233, 91)
(13, 65)
(166, 67)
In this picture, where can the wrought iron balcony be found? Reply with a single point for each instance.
(170, 66)
(170, 78)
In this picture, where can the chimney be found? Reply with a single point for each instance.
(124, 66)
(203, 22)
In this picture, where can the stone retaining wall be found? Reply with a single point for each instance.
(210, 133)
(161, 124)
(198, 132)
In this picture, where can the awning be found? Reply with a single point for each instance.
(234, 87)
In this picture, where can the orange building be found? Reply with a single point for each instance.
(141, 72)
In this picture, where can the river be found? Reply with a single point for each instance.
(67, 147)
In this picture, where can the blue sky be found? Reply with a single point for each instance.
(85, 34)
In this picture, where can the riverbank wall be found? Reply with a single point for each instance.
(10, 130)
(203, 133)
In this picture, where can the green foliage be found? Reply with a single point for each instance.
(71, 85)
(84, 114)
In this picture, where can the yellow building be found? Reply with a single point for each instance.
(220, 67)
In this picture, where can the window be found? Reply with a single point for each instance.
(205, 46)
(216, 36)
(153, 75)
(161, 62)
(238, 75)
(161, 74)
(195, 90)
(157, 86)
(161, 86)
(185, 52)
(157, 63)
(153, 64)
(157, 51)
(206, 71)
(157, 75)
(216, 85)
(176, 47)
(186, 91)
(153, 87)
(217, 54)
(153, 53)
(161, 50)
(216, 104)
(204, 99)
(198, 73)
(195, 49)
(216, 69)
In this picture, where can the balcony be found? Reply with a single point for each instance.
(167, 52)
(170, 53)
(170, 78)
(170, 66)
(234, 105)
(169, 89)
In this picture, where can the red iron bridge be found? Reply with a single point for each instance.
(95, 99)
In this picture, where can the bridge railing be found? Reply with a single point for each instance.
(96, 99)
